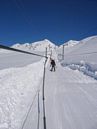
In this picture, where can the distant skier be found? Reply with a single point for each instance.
(53, 64)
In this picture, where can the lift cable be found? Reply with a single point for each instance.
(17, 50)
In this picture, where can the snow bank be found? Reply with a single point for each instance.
(83, 67)
(18, 87)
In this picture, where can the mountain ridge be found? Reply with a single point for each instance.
(42, 44)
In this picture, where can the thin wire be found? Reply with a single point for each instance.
(17, 50)
(37, 93)
(29, 110)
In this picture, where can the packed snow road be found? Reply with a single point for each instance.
(70, 99)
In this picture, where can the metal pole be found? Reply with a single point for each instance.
(51, 52)
(63, 53)
(44, 117)
(38, 113)
(46, 52)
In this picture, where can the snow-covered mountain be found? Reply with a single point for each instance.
(88, 38)
(14, 59)
(67, 46)
(36, 46)
(87, 45)
(74, 46)
(70, 43)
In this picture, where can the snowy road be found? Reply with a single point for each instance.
(71, 101)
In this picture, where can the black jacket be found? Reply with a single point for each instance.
(53, 63)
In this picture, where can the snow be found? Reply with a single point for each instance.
(17, 87)
(71, 96)
(14, 59)
(70, 99)
(68, 46)
(36, 46)
(70, 43)
(16, 45)
(70, 91)
(83, 67)
(85, 51)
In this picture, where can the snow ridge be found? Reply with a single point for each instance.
(36, 46)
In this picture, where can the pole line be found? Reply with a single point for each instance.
(38, 112)
(63, 53)
(44, 117)
(43, 93)
(17, 50)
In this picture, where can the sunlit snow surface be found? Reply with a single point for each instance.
(17, 88)
(20, 79)
(82, 56)
(70, 95)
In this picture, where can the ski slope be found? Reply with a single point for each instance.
(70, 100)
(70, 95)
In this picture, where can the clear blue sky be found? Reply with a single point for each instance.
(57, 20)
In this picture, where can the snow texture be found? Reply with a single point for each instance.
(82, 56)
(70, 91)
(17, 89)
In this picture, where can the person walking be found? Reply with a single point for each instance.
(53, 64)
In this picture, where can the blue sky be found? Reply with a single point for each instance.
(57, 20)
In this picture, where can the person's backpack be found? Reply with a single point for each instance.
(53, 62)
